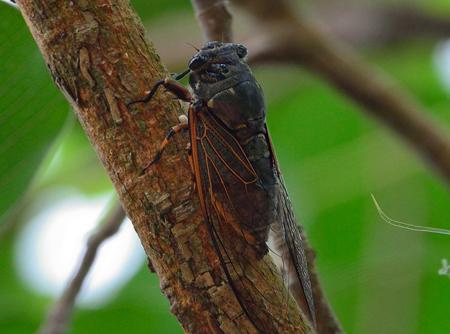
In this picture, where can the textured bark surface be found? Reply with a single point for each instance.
(97, 54)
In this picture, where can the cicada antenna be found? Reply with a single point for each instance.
(181, 75)
(192, 45)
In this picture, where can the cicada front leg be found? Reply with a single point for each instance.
(181, 93)
(171, 85)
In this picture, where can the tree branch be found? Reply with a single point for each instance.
(215, 18)
(58, 318)
(97, 54)
(327, 323)
(376, 24)
(286, 38)
(355, 24)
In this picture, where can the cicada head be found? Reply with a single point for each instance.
(216, 67)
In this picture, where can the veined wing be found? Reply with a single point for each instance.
(229, 192)
(291, 248)
(229, 180)
(288, 243)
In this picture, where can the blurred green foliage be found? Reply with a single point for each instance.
(32, 111)
(379, 279)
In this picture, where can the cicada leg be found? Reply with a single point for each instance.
(191, 164)
(183, 125)
(181, 93)
(171, 85)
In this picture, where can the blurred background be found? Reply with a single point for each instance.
(379, 279)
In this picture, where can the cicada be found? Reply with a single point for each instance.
(238, 180)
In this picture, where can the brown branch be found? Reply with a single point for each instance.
(355, 24)
(287, 39)
(58, 319)
(377, 24)
(8, 223)
(327, 323)
(411, 22)
(215, 19)
(97, 54)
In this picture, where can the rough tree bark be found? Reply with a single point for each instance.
(98, 56)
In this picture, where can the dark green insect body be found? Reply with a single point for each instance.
(222, 82)
(245, 176)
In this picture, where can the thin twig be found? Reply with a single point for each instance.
(58, 318)
(358, 25)
(215, 19)
(375, 24)
(327, 322)
(6, 226)
(287, 39)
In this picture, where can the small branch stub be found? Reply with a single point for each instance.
(215, 19)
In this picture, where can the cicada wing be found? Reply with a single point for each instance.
(289, 245)
(229, 190)
(230, 181)
(297, 273)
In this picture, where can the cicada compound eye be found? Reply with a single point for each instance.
(241, 50)
(212, 44)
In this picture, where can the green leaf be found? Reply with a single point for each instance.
(32, 111)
